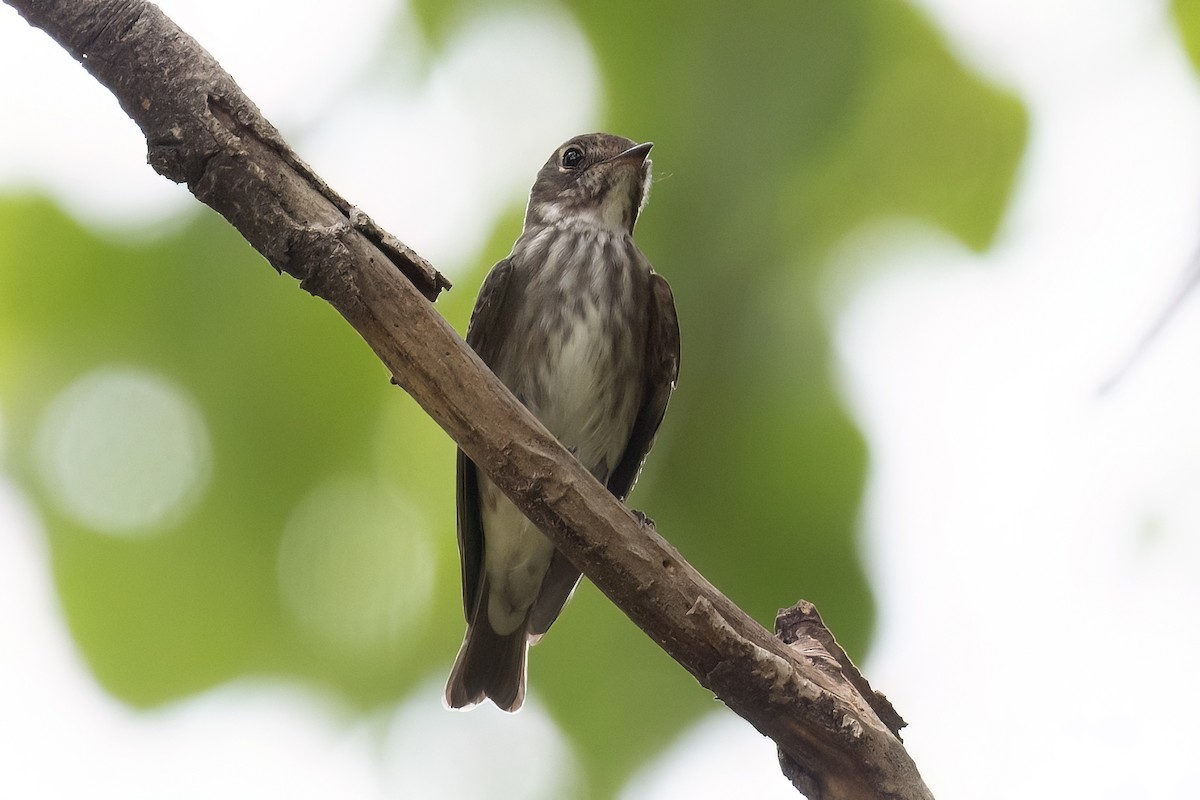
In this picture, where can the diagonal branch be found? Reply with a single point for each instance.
(837, 738)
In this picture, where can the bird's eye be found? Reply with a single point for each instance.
(572, 157)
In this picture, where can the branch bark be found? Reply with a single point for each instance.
(837, 738)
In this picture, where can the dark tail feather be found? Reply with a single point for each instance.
(557, 588)
(490, 665)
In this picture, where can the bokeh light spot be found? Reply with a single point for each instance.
(356, 570)
(486, 754)
(124, 452)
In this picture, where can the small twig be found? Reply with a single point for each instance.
(1191, 280)
(802, 628)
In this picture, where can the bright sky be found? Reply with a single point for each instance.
(1033, 544)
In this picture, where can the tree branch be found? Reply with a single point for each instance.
(837, 738)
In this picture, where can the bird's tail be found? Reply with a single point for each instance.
(489, 664)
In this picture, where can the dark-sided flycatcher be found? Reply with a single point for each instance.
(583, 331)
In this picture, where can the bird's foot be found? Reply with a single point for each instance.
(642, 519)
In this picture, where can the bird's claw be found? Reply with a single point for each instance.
(642, 519)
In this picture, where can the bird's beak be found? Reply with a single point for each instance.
(637, 153)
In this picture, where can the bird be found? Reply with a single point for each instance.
(583, 331)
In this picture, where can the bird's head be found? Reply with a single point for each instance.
(597, 179)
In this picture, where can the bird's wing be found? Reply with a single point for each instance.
(662, 370)
(483, 339)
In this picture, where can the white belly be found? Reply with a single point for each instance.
(576, 391)
(584, 409)
(516, 557)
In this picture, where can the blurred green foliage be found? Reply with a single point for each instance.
(780, 127)
(291, 399)
(1187, 17)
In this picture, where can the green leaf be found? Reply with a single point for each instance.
(1187, 17)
